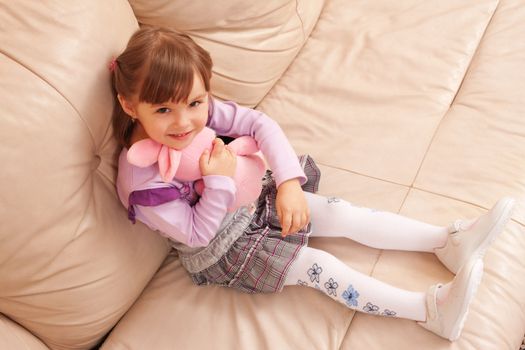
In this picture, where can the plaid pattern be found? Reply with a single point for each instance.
(260, 258)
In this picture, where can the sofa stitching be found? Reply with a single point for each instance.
(300, 20)
(361, 174)
(474, 55)
(299, 50)
(409, 187)
(466, 73)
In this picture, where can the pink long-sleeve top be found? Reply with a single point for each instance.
(194, 221)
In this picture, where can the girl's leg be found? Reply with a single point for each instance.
(334, 217)
(318, 269)
(453, 245)
(442, 309)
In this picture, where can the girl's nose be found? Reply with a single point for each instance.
(181, 119)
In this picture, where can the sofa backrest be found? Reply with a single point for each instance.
(71, 264)
(251, 42)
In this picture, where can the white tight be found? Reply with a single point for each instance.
(333, 217)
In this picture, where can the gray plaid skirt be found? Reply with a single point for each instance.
(259, 258)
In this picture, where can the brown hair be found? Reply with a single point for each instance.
(157, 65)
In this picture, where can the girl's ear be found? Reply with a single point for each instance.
(126, 106)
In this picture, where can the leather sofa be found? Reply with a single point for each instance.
(415, 107)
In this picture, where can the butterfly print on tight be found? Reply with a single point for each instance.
(388, 313)
(331, 287)
(350, 295)
(314, 272)
(371, 308)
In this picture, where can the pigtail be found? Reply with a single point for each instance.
(122, 123)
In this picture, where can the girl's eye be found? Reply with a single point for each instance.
(195, 103)
(163, 110)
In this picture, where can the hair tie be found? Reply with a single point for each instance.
(112, 65)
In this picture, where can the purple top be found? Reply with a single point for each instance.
(174, 209)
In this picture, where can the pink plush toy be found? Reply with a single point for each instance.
(184, 164)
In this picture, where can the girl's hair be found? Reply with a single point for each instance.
(157, 66)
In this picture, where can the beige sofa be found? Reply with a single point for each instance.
(412, 106)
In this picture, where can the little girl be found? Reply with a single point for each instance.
(162, 86)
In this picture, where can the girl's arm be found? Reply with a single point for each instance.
(194, 226)
(230, 119)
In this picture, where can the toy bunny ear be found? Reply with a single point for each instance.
(244, 145)
(169, 160)
(144, 153)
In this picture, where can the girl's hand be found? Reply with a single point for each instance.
(292, 207)
(220, 161)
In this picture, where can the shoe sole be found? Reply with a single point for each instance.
(475, 276)
(498, 227)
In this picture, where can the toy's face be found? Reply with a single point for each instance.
(175, 124)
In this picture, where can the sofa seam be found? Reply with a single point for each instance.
(13, 322)
(361, 174)
(302, 26)
(115, 156)
(452, 102)
(299, 50)
(474, 55)
(46, 82)
(410, 188)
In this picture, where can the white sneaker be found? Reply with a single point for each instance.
(475, 236)
(448, 317)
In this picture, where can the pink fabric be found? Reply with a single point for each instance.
(184, 164)
(148, 152)
(244, 145)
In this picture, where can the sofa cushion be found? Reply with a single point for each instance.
(374, 83)
(70, 262)
(13, 336)
(479, 147)
(251, 42)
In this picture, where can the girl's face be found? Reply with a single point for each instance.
(173, 124)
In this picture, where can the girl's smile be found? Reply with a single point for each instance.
(181, 137)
